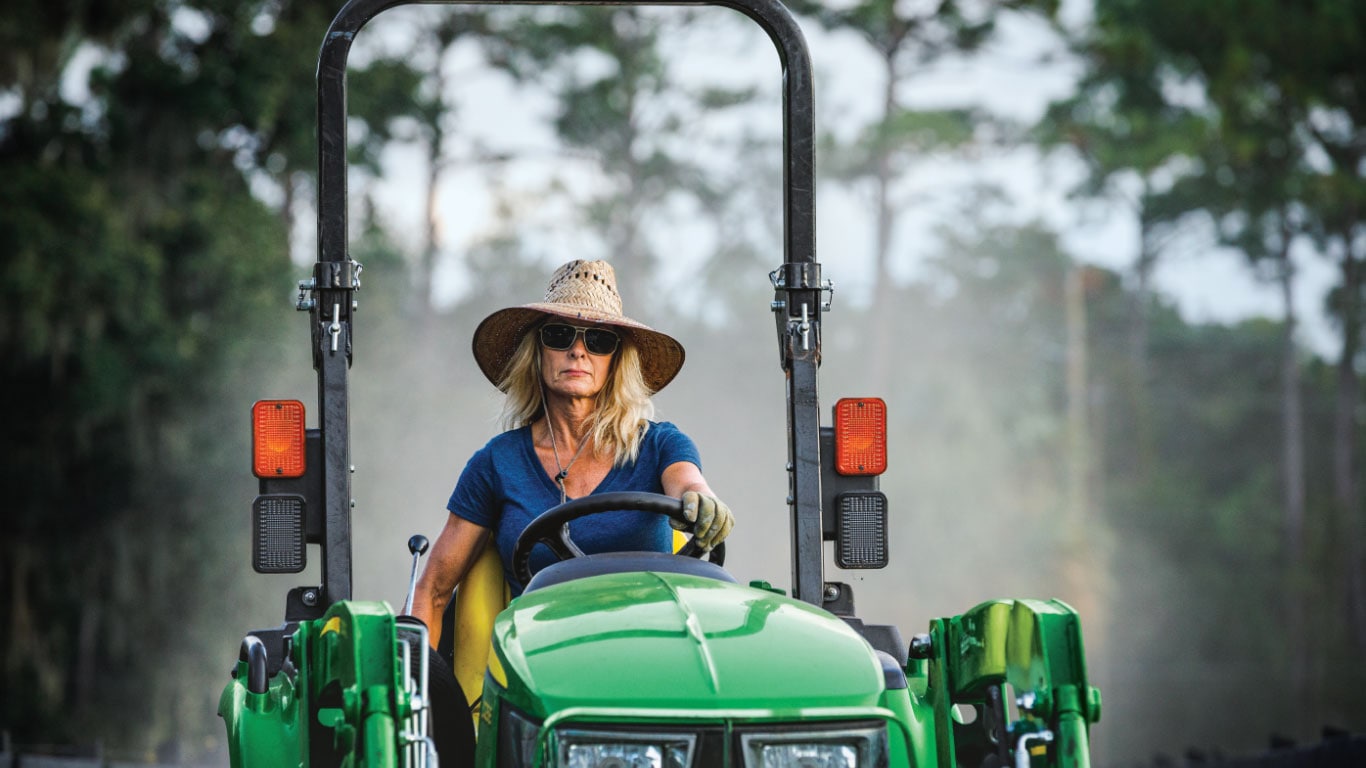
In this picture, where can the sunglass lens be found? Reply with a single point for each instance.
(599, 341)
(557, 336)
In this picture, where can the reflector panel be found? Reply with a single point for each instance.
(861, 539)
(277, 534)
(861, 436)
(277, 437)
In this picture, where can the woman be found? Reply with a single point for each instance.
(578, 376)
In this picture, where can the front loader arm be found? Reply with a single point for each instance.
(344, 697)
(1035, 648)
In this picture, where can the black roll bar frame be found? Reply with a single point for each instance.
(797, 304)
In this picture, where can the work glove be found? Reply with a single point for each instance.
(709, 517)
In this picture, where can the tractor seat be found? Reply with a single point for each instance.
(624, 562)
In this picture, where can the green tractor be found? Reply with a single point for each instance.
(635, 659)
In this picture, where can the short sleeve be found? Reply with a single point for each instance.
(475, 494)
(672, 446)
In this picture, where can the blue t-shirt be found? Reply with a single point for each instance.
(504, 487)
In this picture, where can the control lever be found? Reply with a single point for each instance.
(1022, 746)
(417, 546)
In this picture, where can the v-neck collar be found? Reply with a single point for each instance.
(548, 482)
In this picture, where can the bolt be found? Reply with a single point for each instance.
(310, 597)
(832, 592)
(1027, 700)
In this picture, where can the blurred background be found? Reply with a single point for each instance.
(1103, 259)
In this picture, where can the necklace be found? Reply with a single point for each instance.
(563, 471)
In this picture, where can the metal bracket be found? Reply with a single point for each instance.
(785, 278)
(332, 276)
(337, 275)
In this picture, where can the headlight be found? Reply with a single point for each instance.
(837, 748)
(609, 749)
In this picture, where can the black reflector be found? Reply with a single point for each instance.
(861, 536)
(277, 534)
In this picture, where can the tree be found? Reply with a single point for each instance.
(1273, 83)
(906, 39)
(1135, 145)
(141, 277)
(620, 108)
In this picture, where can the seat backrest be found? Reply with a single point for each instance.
(482, 595)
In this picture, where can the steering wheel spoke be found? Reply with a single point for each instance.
(563, 546)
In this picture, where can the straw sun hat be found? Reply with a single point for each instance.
(583, 292)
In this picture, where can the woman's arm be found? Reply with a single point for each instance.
(455, 550)
(713, 519)
(681, 477)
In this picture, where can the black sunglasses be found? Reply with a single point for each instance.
(560, 336)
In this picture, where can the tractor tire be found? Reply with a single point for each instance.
(451, 727)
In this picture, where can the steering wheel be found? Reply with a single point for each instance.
(551, 527)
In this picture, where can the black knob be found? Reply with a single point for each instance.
(417, 545)
(921, 647)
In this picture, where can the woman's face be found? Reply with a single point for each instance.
(575, 372)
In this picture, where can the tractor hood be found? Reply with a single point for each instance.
(671, 641)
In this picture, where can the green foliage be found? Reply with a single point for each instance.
(620, 107)
(1244, 113)
(140, 272)
(893, 145)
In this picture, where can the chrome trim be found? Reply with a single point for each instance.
(419, 751)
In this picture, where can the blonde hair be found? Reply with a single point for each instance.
(624, 407)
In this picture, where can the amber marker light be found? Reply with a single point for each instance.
(861, 436)
(277, 438)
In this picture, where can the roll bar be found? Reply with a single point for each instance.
(797, 282)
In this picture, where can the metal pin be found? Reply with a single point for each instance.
(335, 328)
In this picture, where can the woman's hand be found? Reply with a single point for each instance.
(711, 519)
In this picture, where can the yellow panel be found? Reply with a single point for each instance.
(481, 597)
